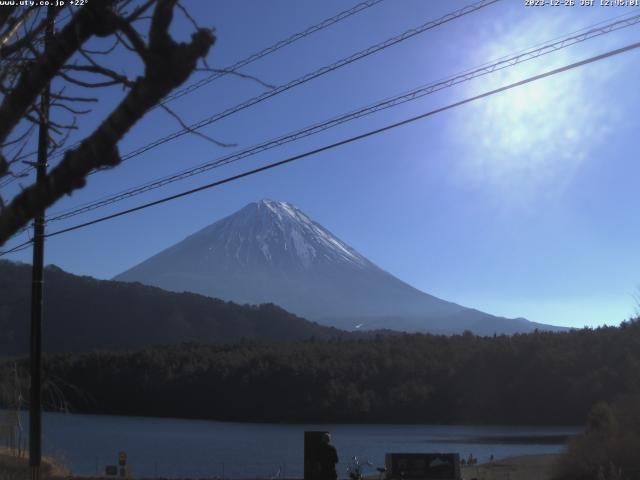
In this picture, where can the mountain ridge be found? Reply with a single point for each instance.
(270, 251)
(82, 313)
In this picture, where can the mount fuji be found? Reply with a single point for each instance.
(271, 252)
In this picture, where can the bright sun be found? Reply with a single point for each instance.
(535, 135)
(535, 118)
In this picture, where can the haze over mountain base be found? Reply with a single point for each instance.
(271, 252)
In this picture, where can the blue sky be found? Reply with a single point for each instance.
(522, 204)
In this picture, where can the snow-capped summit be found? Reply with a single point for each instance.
(272, 252)
(283, 234)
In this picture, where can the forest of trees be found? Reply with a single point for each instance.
(537, 378)
(85, 314)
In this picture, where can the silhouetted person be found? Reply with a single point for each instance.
(327, 459)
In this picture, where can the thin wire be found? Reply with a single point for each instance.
(17, 248)
(9, 179)
(273, 48)
(312, 75)
(352, 139)
(304, 79)
(246, 61)
(412, 95)
(586, 30)
(12, 178)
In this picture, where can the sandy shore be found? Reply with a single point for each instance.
(529, 467)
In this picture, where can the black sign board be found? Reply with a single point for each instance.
(423, 466)
(111, 470)
(312, 445)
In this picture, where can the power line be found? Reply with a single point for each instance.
(17, 248)
(504, 62)
(271, 49)
(352, 139)
(313, 75)
(605, 24)
(239, 64)
(11, 178)
(304, 79)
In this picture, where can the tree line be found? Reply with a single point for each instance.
(85, 314)
(536, 378)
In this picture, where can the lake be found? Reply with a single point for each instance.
(168, 447)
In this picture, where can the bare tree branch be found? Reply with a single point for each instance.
(6, 13)
(23, 42)
(18, 139)
(195, 132)
(167, 65)
(84, 84)
(90, 20)
(69, 109)
(188, 16)
(17, 155)
(74, 99)
(4, 166)
(101, 52)
(135, 15)
(137, 43)
(116, 77)
(237, 74)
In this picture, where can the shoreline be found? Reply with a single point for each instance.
(522, 467)
(480, 439)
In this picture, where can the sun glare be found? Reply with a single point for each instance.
(532, 137)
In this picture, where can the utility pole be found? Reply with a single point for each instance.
(35, 358)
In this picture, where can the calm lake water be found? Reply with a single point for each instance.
(198, 448)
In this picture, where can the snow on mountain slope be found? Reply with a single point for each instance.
(271, 252)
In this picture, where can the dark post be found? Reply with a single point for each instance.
(35, 359)
(312, 445)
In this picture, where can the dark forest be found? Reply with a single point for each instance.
(537, 378)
